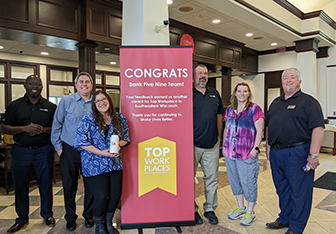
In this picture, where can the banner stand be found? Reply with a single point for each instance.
(158, 170)
(141, 226)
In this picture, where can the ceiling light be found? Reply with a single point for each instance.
(44, 53)
(1, 47)
(216, 21)
(274, 44)
(185, 9)
(107, 48)
(169, 2)
(249, 34)
(113, 63)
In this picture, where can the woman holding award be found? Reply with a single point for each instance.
(101, 157)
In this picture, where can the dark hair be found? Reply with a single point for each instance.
(200, 65)
(233, 99)
(99, 118)
(83, 74)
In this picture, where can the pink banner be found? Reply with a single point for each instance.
(156, 98)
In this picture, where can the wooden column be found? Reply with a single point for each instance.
(226, 85)
(87, 57)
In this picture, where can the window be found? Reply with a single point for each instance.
(20, 72)
(110, 82)
(64, 76)
(2, 98)
(11, 82)
(60, 80)
(2, 70)
(56, 92)
(115, 96)
(17, 91)
(99, 78)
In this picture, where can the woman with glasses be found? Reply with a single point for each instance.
(242, 136)
(102, 168)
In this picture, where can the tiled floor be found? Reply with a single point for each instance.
(322, 219)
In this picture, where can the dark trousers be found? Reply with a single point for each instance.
(70, 162)
(24, 159)
(106, 189)
(293, 186)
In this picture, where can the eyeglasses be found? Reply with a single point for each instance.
(34, 83)
(100, 100)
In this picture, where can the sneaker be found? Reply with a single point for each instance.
(248, 218)
(237, 213)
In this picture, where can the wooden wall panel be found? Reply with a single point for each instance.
(98, 22)
(252, 63)
(57, 16)
(205, 49)
(115, 26)
(174, 38)
(14, 10)
(238, 56)
(226, 55)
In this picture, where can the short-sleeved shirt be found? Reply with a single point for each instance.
(22, 112)
(241, 132)
(88, 133)
(206, 107)
(293, 120)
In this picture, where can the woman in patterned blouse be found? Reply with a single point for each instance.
(102, 169)
(242, 136)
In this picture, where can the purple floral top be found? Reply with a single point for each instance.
(241, 132)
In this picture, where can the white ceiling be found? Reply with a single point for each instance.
(231, 26)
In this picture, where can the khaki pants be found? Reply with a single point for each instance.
(209, 160)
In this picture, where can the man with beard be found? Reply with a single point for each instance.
(208, 109)
(68, 114)
(29, 119)
(294, 134)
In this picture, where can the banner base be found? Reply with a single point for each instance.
(154, 225)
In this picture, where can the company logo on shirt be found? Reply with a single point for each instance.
(213, 96)
(45, 110)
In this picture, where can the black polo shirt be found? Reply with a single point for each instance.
(22, 112)
(292, 120)
(206, 108)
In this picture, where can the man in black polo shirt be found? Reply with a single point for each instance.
(295, 128)
(29, 119)
(208, 109)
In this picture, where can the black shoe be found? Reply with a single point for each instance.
(211, 216)
(17, 226)
(198, 219)
(50, 221)
(89, 222)
(275, 225)
(71, 226)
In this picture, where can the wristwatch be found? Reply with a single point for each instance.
(313, 156)
(257, 149)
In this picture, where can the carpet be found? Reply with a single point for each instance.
(327, 181)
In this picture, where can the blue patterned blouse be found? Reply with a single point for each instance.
(88, 133)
